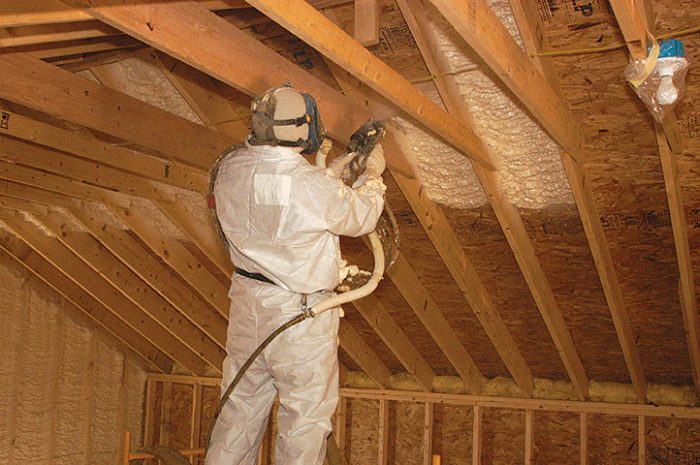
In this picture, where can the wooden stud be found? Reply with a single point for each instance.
(56, 379)
(82, 275)
(511, 403)
(196, 419)
(529, 436)
(366, 24)
(167, 401)
(133, 287)
(642, 441)
(428, 456)
(583, 438)
(383, 456)
(148, 413)
(82, 301)
(531, 30)
(341, 418)
(121, 412)
(477, 427)
(124, 451)
(352, 343)
(90, 401)
(393, 336)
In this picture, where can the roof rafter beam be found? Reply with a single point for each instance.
(92, 283)
(75, 99)
(208, 56)
(159, 277)
(352, 343)
(479, 26)
(393, 336)
(531, 30)
(128, 283)
(131, 161)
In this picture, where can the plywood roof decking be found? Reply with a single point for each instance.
(622, 164)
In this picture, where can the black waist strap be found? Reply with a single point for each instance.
(255, 276)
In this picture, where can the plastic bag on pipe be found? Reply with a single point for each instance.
(663, 88)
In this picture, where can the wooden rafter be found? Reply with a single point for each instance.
(508, 216)
(90, 148)
(58, 184)
(353, 344)
(531, 30)
(159, 277)
(314, 28)
(634, 23)
(92, 283)
(393, 336)
(172, 252)
(75, 99)
(16, 151)
(131, 286)
(83, 302)
(479, 26)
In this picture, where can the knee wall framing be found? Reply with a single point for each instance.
(387, 427)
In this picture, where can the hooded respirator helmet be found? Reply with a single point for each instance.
(284, 116)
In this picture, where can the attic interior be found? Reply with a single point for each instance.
(543, 308)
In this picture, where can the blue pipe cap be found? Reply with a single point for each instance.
(670, 48)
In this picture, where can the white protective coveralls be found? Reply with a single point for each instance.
(282, 218)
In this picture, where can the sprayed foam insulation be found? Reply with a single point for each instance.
(528, 161)
(61, 398)
(143, 80)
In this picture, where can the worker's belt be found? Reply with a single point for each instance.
(255, 276)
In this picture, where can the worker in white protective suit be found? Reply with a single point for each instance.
(282, 217)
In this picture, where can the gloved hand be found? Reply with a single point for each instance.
(335, 169)
(326, 146)
(376, 164)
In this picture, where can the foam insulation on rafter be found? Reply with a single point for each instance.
(528, 161)
(67, 390)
